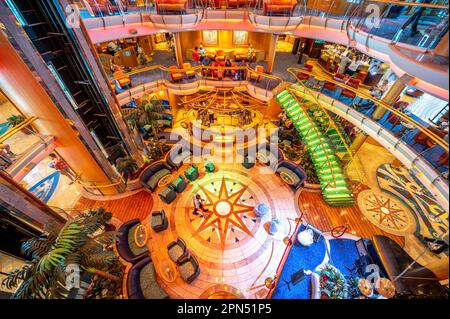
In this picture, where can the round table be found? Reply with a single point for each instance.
(165, 180)
(365, 287)
(287, 178)
(168, 271)
(140, 236)
(385, 287)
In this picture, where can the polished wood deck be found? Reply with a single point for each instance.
(135, 206)
(326, 217)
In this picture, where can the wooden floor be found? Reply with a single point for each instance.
(135, 206)
(326, 217)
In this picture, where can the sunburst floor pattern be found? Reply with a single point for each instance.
(225, 209)
(232, 245)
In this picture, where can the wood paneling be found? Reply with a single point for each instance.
(326, 217)
(135, 206)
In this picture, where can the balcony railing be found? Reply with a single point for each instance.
(192, 79)
(424, 140)
(418, 24)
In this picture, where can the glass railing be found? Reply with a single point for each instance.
(143, 80)
(421, 24)
(425, 139)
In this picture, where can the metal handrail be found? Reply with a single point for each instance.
(437, 139)
(334, 185)
(333, 124)
(17, 128)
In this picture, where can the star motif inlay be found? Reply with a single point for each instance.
(225, 212)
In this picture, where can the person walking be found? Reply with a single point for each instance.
(199, 205)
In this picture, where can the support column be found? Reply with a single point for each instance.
(442, 47)
(23, 89)
(390, 97)
(358, 142)
(272, 53)
(178, 49)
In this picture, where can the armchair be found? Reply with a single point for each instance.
(175, 75)
(189, 269)
(279, 7)
(256, 76)
(291, 174)
(159, 221)
(189, 72)
(177, 250)
(171, 6)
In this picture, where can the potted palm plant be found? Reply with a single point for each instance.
(15, 120)
(82, 242)
(127, 167)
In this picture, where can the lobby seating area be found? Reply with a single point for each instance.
(151, 176)
(126, 245)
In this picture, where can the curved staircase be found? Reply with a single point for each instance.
(335, 189)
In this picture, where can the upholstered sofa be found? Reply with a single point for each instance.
(141, 282)
(126, 247)
(279, 7)
(158, 221)
(271, 155)
(177, 156)
(291, 173)
(150, 177)
(172, 6)
(189, 269)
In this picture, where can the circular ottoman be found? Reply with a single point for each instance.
(261, 210)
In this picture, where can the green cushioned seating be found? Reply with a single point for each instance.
(248, 162)
(168, 194)
(149, 285)
(191, 173)
(179, 184)
(209, 167)
(153, 181)
(133, 247)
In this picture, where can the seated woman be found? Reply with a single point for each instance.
(227, 64)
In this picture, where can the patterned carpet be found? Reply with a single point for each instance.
(430, 218)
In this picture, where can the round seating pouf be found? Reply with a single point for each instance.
(261, 210)
(306, 237)
(274, 226)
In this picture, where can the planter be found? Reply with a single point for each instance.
(312, 187)
(133, 185)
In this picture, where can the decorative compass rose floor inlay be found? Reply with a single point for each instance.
(225, 210)
(386, 212)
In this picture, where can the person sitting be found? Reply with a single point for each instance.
(201, 52)
(378, 91)
(228, 71)
(199, 205)
(113, 48)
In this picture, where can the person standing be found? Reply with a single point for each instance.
(251, 55)
(195, 55)
(60, 165)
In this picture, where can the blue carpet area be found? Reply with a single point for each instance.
(300, 257)
(45, 188)
(343, 254)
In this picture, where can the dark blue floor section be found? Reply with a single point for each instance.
(300, 257)
(343, 254)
